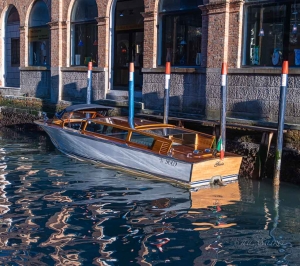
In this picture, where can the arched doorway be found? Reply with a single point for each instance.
(128, 42)
(12, 48)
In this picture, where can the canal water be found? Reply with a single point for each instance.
(55, 210)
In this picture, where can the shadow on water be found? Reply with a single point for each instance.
(58, 211)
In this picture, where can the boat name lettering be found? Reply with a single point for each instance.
(219, 163)
(168, 162)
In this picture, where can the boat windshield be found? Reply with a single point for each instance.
(167, 131)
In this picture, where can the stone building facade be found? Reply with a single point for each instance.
(58, 38)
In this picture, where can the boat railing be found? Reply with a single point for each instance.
(122, 134)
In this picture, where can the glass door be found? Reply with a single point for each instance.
(128, 48)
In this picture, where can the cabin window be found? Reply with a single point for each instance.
(186, 139)
(38, 35)
(180, 32)
(115, 132)
(84, 33)
(142, 139)
(272, 33)
(73, 124)
(107, 130)
(94, 127)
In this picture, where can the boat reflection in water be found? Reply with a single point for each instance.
(65, 212)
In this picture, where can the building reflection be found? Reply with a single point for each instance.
(5, 223)
(78, 214)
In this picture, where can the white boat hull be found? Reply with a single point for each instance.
(75, 144)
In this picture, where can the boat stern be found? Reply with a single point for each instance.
(215, 170)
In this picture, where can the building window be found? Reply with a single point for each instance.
(84, 33)
(181, 30)
(38, 35)
(15, 52)
(272, 34)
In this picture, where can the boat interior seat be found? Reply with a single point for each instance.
(205, 142)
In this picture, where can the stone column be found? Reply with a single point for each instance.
(150, 39)
(235, 34)
(215, 15)
(55, 55)
(23, 52)
(103, 41)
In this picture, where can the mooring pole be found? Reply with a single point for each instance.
(222, 140)
(89, 83)
(282, 105)
(131, 95)
(167, 92)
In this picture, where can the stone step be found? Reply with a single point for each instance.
(122, 95)
(10, 91)
(119, 104)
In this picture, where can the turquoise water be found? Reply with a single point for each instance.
(58, 211)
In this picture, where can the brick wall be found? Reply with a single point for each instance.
(187, 92)
(250, 93)
(35, 83)
(74, 85)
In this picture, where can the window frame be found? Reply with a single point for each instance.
(15, 50)
(74, 42)
(161, 33)
(45, 52)
(286, 32)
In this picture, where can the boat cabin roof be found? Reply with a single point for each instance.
(82, 107)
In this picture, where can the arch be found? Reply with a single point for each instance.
(13, 15)
(84, 10)
(10, 47)
(30, 7)
(39, 14)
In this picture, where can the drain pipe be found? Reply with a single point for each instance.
(131, 95)
(167, 92)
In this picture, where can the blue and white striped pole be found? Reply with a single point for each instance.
(167, 92)
(282, 106)
(89, 83)
(131, 95)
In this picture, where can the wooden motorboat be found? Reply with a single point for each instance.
(148, 148)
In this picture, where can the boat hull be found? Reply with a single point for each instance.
(75, 144)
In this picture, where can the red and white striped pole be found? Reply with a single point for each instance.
(167, 92)
(222, 139)
(281, 113)
(89, 83)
